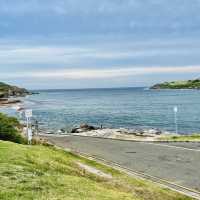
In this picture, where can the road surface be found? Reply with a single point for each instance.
(176, 162)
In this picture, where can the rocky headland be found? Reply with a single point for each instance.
(9, 94)
(189, 84)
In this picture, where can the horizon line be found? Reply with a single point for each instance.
(90, 88)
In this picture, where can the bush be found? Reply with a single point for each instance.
(9, 131)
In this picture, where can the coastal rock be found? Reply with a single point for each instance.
(61, 131)
(7, 91)
(2, 95)
(155, 131)
(83, 128)
(122, 133)
(4, 101)
(140, 132)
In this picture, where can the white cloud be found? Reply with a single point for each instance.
(75, 54)
(77, 74)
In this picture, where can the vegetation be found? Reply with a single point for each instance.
(8, 90)
(9, 129)
(190, 84)
(181, 138)
(4, 87)
(39, 172)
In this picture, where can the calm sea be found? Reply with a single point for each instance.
(122, 107)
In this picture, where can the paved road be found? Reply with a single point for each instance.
(189, 145)
(177, 163)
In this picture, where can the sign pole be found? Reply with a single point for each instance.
(28, 115)
(175, 119)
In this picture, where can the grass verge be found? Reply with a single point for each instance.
(181, 138)
(45, 173)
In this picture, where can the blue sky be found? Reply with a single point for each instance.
(90, 43)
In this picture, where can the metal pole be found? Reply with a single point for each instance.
(176, 123)
(175, 119)
(27, 127)
(28, 114)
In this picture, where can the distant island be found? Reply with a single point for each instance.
(189, 84)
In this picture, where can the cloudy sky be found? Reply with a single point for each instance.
(92, 43)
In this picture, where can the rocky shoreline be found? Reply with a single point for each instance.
(7, 102)
(120, 133)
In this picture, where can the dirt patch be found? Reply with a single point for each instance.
(93, 170)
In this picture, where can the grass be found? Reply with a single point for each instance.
(4, 87)
(181, 138)
(45, 173)
(190, 84)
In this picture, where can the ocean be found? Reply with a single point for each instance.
(116, 108)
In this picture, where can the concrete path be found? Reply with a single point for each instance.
(175, 162)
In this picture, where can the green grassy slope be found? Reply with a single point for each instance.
(45, 173)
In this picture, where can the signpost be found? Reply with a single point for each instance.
(175, 118)
(28, 115)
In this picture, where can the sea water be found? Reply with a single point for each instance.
(114, 108)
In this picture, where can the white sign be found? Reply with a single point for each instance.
(175, 109)
(28, 113)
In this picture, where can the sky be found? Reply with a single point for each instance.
(67, 44)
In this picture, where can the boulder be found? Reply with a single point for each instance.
(61, 131)
(83, 128)
(155, 131)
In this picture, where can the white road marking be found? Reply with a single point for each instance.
(171, 146)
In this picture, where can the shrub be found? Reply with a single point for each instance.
(9, 131)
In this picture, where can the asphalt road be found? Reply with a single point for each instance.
(189, 145)
(176, 162)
